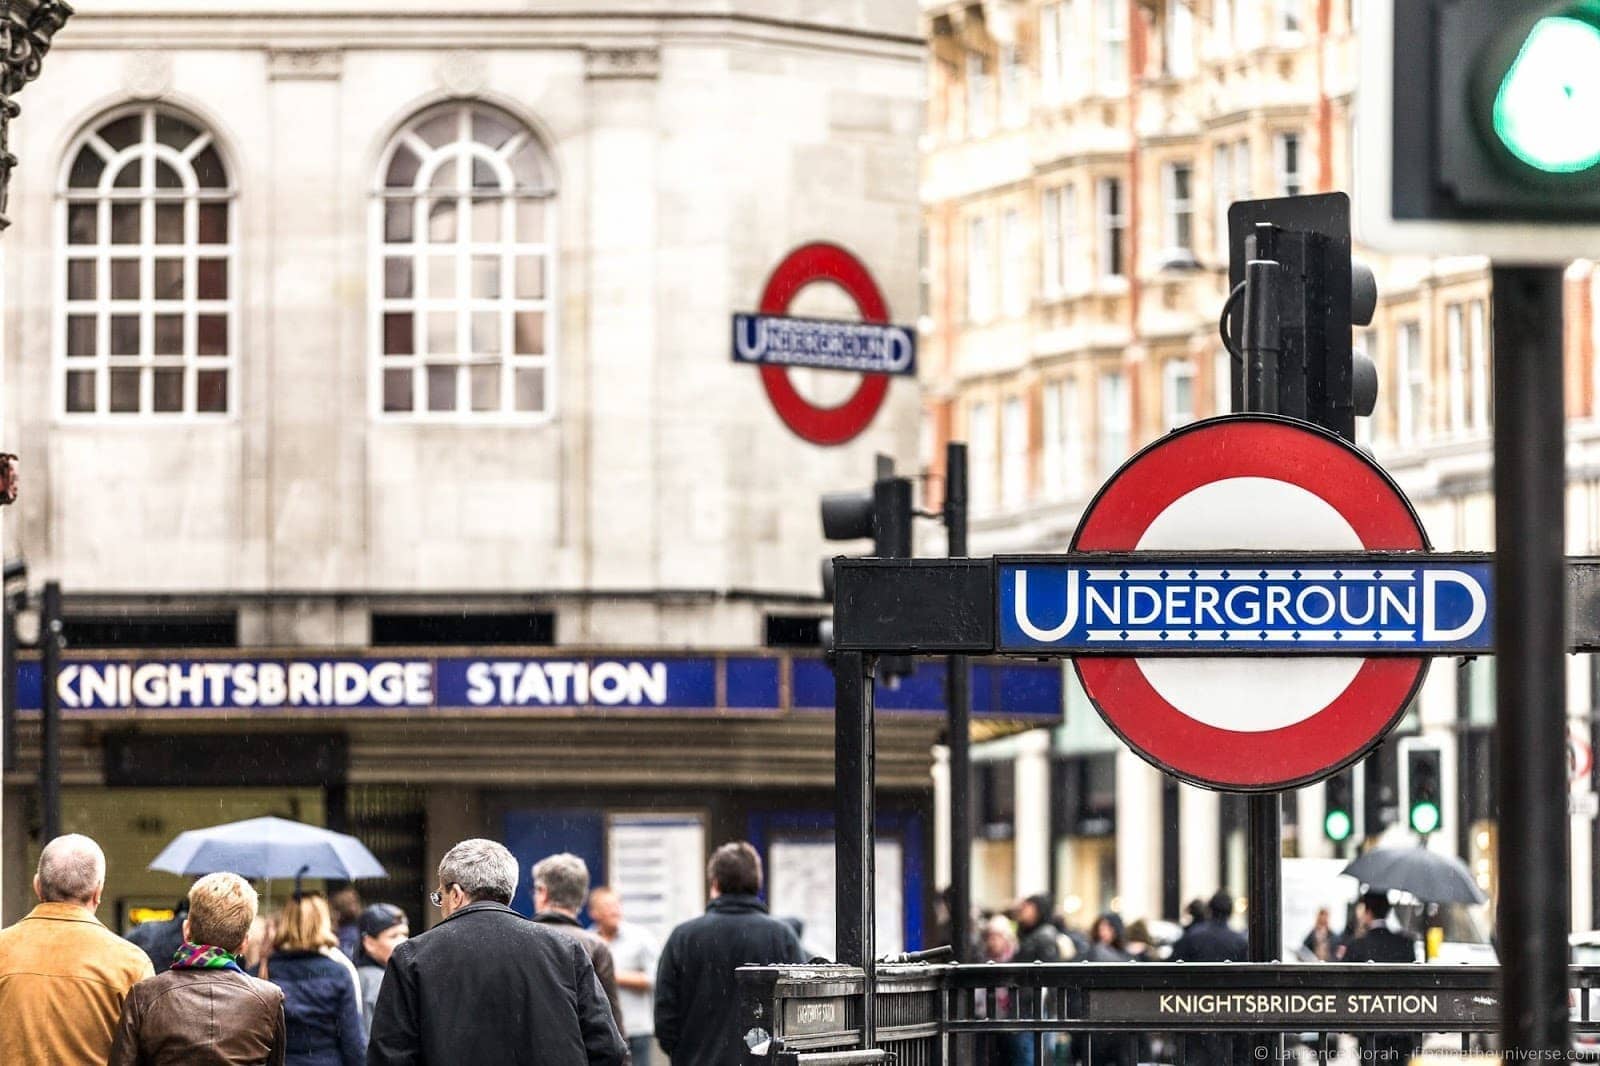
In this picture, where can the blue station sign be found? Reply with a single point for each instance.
(1264, 604)
(824, 344)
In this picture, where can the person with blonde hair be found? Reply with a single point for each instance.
(322, 1010)
(205, 1008)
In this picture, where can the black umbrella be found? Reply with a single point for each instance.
(1427, 875)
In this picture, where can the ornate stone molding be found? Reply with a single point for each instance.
(26, 29)
(305, 64)
(612, 64)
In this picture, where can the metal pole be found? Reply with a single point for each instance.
(8, 684)
(853, 853)
(958, 704)
(50, 713)
(1531, 705)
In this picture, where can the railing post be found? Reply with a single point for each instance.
(854, 861)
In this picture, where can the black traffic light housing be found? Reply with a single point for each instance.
(1296, 251)
(1339, 806)
(1424, 799)
(883, 514)
(1449, 163)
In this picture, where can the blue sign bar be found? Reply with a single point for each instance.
(506, 684)
(1269, 604)
(824, 344)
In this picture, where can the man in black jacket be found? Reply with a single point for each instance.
(560, 885)
(1212, 940)
(488, 986)
(1376, 942)
(697, 1000)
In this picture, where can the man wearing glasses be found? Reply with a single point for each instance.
(487, 985)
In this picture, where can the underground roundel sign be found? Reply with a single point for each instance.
(1252, 484)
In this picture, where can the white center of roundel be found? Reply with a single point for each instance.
(1250, 695)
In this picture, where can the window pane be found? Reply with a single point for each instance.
(398, 335)
(211, 391)
(211, 334)
(484, 175)
(397, 278)
(168, 279)
(528, 327)
(124, 334)
(208, 170)
(442, 221)
(128, 176)
(527, 167)
(213, 223)
(169, 223)
(530, 221)
(80, 391)
(530, 388)
(124, 391)
(124, 279)
(125, 223)
(213, 279)
(82, 224)
(441, 277)
(168, 335)
(442, 333)
(486, 387)
(530, 277)
(168, 392)
(444, 177)
(167, 178)
(174, 132)
(485, 220)
(80, 279)
(397, 390)
(441, 388)
(398, 221)
(486, 277)
(486, 333)
(402, 168)
(442, 128)
(86, 169)
(123, 132)
(490, 129)
(80, 335)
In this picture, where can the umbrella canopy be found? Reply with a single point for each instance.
(266, 848)
(1427, 875)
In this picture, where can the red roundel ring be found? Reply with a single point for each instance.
(1250, 446)
(824, 262)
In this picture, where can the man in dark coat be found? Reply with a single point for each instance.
(1376, 942)
(560, 885)
(1037, 939)
(697, 1000)
(487, 985)
(161, 940)
(1211, 940)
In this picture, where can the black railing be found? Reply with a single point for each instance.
(1113, 1013)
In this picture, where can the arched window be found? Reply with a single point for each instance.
(148, 296)
(462, 271)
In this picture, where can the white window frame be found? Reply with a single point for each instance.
(1013, 453)
(1051, 68)
(1052, 477)
(1112, 218)
(1411, 374)
(1221, 196)
(1114, 420)
(980, 103)
(1071, 436)
(1289, 19)
(1455, 363)
(1013, 88)
(1177, 207)
(1177, 377)
(1222, 42)
(1111, 46)
(984, 457)
(145, 153)
(1051, 276)
(1291, 182)
(1074, 261)
(1177, 41)
(1478, 364)
(1222, 383)
(980, 271)
(419, 251)
(1013, 264)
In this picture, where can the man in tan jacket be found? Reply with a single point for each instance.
(63, 975)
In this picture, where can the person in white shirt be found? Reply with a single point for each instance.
(635, 952)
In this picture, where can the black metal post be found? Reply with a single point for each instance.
(958, 704)
(8, 683)
(853, 780)
(1530, 612)
(1594, 785)
(50, 713)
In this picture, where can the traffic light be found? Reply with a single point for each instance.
(884, 514)
(1422, 788)
(1477, 127)
(1299, 293)
(1339, 807)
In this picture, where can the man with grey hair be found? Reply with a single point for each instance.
(63, 975)
(487, 985)
(560, 885)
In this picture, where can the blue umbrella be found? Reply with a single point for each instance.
(266, 848)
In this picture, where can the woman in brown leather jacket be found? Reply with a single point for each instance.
(206, 1009)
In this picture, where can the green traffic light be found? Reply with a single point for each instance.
(1424, 817)
(1337, 826)
(1544, 112)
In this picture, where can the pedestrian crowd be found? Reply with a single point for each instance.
(327, 982)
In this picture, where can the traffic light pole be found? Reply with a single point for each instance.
(958, 702)
(1530, 642)
(854, 773)
(50, 713)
